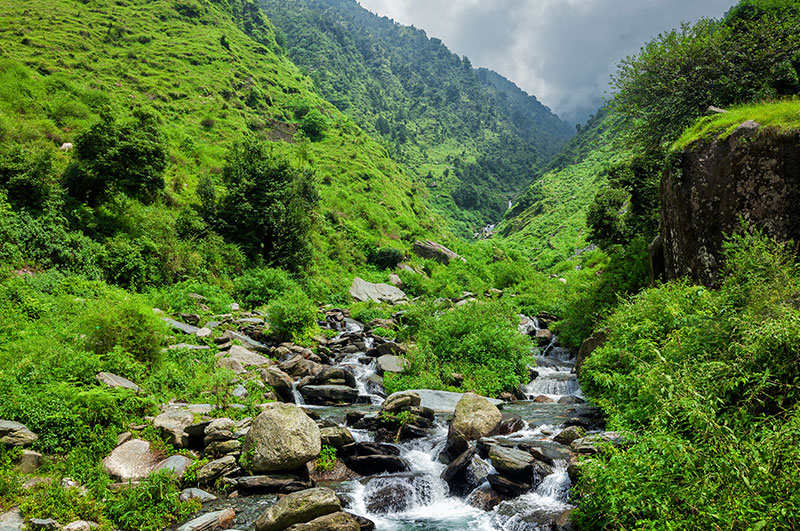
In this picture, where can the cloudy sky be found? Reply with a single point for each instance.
(561, 51)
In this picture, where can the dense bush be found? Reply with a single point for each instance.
(293, 316)
(479, 341)
(257, 287)
(706, 381)
(267, 205)
(385, 257)
(127, 155)
(153, 505)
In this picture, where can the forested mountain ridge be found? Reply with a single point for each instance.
(207, 74)
(474, 136)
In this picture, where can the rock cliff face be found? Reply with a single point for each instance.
(753, 174)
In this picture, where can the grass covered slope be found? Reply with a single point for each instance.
(549, 217)
(781, 115)
(212, 73)
(706, 383)
(472, 135)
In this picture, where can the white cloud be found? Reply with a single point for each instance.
(561, 51)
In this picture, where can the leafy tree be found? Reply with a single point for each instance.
(127, 155)
(314, 124)
(267, 205)
(744, 57)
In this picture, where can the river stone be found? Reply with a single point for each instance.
(331, 522)
(181, 327)
(16, 434)
(274, 483)
(131, 461)
(80, 525)
(297, 508)
(335, 376)
(329, 395)
(283, 437)
(177, 464)
(434, 251)
(173, 424)
(211, 471)
(444, 401)
(336, 437)
(508, 487)
(220, 429)
(512, 463)
(484, 498)
(389, 363)
(197, 494)
(457, 475)
(569, 434)
(28, 462)
(112, 380)
(299, 367)
(591, 444)
(247, 358)
(43, 524)
(12, 520)
(363, 291)
(248, 342)
(475, 417)
(210, 521)
(280, 382)
(400, 401)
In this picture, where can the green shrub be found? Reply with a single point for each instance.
(125, 323)
(293, 317)
(153, 505)
(706, 381)
(257, 287)
(62, 504)
(385, 257)
(326, 460)
(367, 311)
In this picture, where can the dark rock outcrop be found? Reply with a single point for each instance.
(753, 174)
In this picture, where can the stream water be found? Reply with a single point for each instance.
(421, 499)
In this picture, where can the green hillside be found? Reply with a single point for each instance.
(472, 135)
(211, 73)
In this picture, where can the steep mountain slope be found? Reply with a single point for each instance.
(212, 72)
(549, 217)
(474, 136)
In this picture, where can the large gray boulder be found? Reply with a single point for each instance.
(518, 465)
(132, 460)
(444, 401)
(298, 508)
(388, 363)
(475, 417)
(173, 424)
(283, 437)
(363, 291)
(329, 395)
(400, 401)
(16, 434)
(434, 251)
(112, 380)
(247, 358)
(330, 522)
(336, 436)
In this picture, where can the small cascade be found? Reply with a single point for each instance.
(298, 398)
(535, 510)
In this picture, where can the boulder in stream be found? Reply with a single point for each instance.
(399, 401)
(298, 508)
(328, 395)
(283, 437)
(475, 417)
(330, 522)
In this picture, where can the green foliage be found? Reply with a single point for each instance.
(385, 257)
(126, 324)
(267, 205)
(367, 311)
(478, 340)
(64, 504)
(314, 124)
(257, 287)
(742, 58)
(152, 505)
(326, 461)
(707, 381)
(292, 316)
(127, 155)
(472, 136)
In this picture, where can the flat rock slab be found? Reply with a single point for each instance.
(434, 251)
(16, 434)
(197, 494)
(112, 380)
(187, 346)
(363, 291)
(181, 327)
(210, 521)
(298, 508)
(248, 358)
(12, 520)
(444, 401)
(173, 424)
(178, 464)
(389, 363)
(247, 341)
(131, 461)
